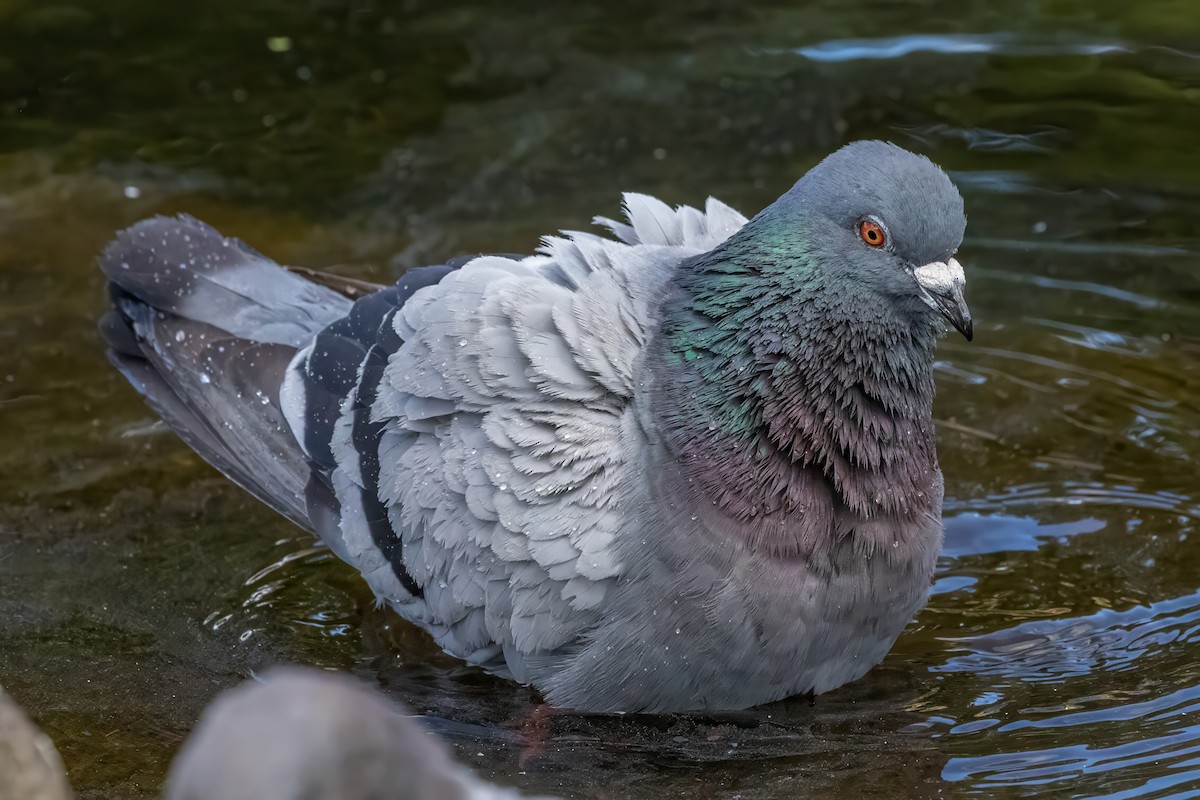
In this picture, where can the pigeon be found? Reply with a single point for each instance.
(306, 734)
(686, 465)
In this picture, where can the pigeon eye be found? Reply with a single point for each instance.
(872, 233)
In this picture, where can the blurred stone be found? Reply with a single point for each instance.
(30, 768)
(317, 736)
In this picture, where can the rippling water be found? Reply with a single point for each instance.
(1060, 653)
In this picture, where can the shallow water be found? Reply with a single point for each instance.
(1060, 652)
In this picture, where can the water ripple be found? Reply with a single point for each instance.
(1077, 493)
(1086, 287)
(1055, 366)
(989, 141)
(1099, 339)
(1070, 762)
(951, 44)
(972, 533)
(1077, 248)
(1044, 651)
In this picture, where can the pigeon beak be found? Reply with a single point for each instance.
(942, 284)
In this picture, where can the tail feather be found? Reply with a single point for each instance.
(258, 368)
(184, 267)
(205, 328)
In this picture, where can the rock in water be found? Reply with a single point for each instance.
(30, 768)
(310, 735)
(689, 467)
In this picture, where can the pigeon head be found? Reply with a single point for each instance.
(876, 218)
(820, 314)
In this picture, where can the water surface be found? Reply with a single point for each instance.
(1060, 653)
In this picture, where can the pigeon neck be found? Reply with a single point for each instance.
(776, 390)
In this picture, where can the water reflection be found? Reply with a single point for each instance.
(1054, 650)
(1089, 771)
(951, 45)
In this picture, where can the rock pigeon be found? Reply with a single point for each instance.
(690, 465)
(311, 735)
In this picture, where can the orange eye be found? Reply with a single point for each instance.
(872, 233)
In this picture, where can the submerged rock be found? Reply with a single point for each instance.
(30, 768)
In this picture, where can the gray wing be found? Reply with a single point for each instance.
(501, 412)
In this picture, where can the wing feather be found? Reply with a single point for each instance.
(507, 440)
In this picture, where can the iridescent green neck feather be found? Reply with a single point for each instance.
(784, 386)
